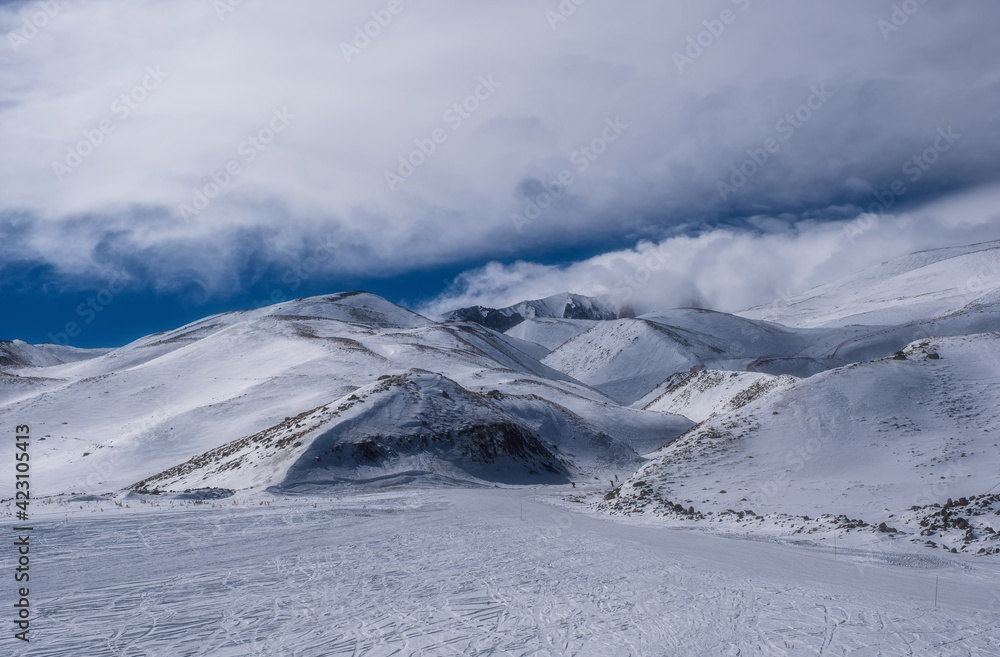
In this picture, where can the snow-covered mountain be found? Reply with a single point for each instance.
(627, 358)
(126, 415)
(834, 424)
(958, 281)
(559, 306)
(701, 393)
(412, 426)
(889, 441)
(550, 332)
(15, 354)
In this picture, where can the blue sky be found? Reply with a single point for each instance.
(444, 153)
(120, 309)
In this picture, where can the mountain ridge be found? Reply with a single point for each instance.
(923, 285)
(349, 389)
(559, 306)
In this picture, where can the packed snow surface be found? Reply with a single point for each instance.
(477, 572)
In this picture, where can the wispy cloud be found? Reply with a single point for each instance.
(732, 269)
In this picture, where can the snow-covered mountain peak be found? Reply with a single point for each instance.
(15, 354)
(558, 306)
(915, 287)
(354, 306)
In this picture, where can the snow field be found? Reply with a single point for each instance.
(459, 572)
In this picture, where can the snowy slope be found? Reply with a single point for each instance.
(565, 306)
(126, 415)
(911, 288)
(868, 442)
(402, 428)
(628, 358)
(476, 572)
(549, 332)
(18, 353)
(700, 393)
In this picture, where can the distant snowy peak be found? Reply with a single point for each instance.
(559, 306)
(355, 306)
(18, 353)
(915, 287)
(567, 306)
(305, 317)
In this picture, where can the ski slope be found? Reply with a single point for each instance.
(478, 572)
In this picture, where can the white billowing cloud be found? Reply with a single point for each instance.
(199, 84)
(734, 269)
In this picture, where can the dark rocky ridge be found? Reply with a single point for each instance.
(568, 306)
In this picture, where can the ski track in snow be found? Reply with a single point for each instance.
(458, 572)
